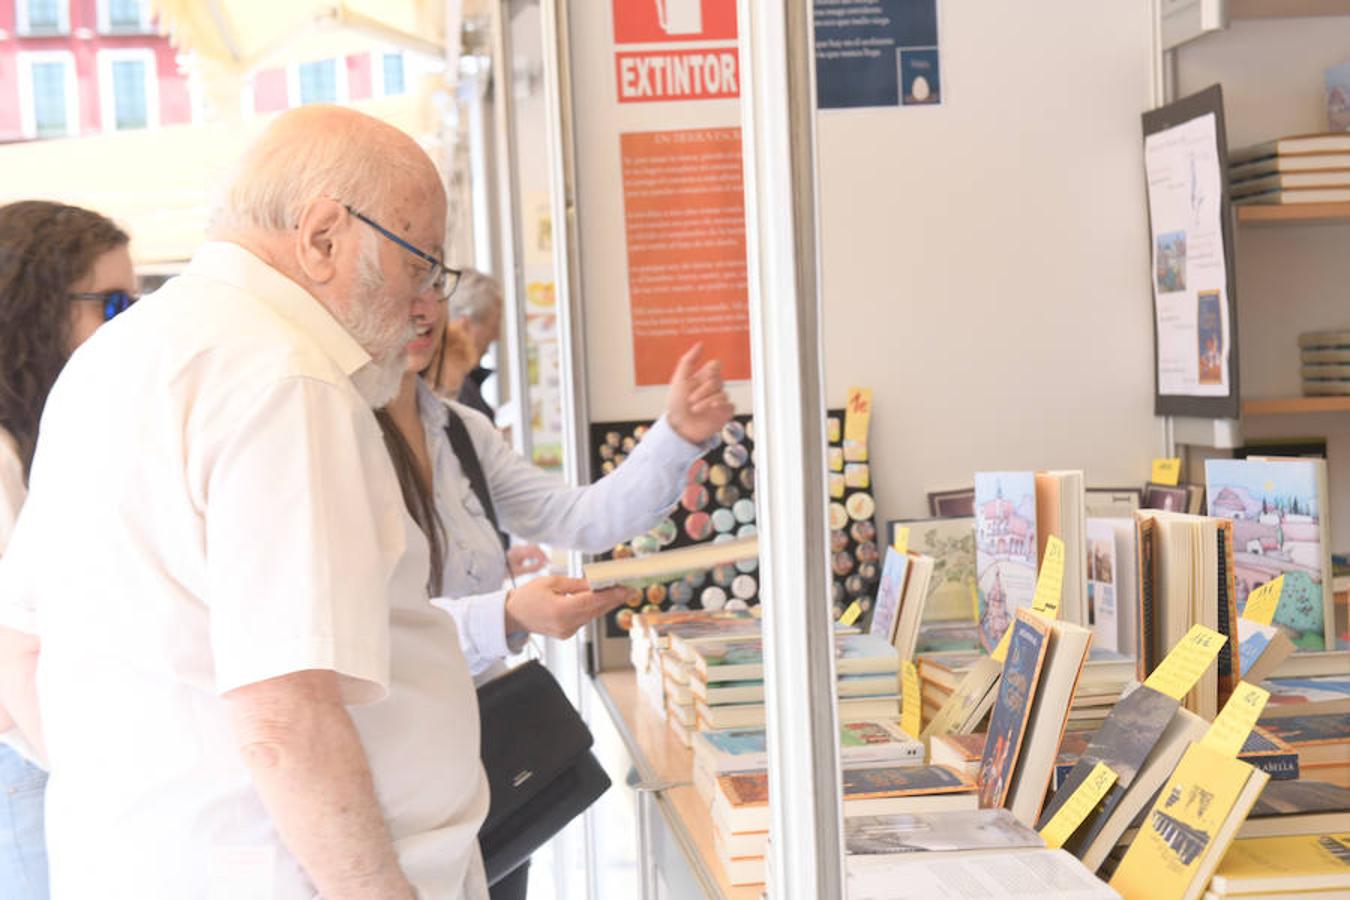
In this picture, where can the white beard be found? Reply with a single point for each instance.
(384, 336)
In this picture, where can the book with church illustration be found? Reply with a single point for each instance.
(1190, 827)
(1005, 549)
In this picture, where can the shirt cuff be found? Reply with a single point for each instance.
(668, 446)
(483, 621)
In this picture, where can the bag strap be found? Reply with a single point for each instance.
(462, 444)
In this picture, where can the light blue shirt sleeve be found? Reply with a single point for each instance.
(481, 619)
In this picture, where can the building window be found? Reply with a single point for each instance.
(391, 67)
(122, 16)
(318, 82)
(48, 103)
(42, 16)
(128, 89)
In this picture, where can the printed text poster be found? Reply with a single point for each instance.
(684, 221)
(876, 53)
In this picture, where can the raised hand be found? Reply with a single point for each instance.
(697, 406)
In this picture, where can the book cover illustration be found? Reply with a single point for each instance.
(886, 610)
(745, 789)
(1005, 549)
(1103, 617)
(955, 830)
(1186, 818)
(865, 734)
(1298, 691)
(1328, 729)
(1277, 530)
(951, 544)
(900, 781)
(1209, 328)
(1007, 722)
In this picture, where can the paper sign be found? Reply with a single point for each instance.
(851, 614)
(1182, 668)
(1079, 806)
(1049, 588)
(1232, 726)
(1262, 602)
(857, 423)
(901, 542)
(1166, 471)
(911, 719)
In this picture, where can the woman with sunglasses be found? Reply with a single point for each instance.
(64, 271)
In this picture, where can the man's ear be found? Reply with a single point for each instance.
(324, 224)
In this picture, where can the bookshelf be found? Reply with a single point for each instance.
(1294, 212)
(1286, 406)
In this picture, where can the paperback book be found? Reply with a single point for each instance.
(950, 543)
(1008, 721)
(1005, 549)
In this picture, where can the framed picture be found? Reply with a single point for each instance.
(951, 504)
(1166, 497)
(1112, 502)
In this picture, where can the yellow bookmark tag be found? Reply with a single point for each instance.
(1182, 668)
(851, 614)
(1166, 471)
(857, 423)
(1079, 806)
(1232, 726)
(911, 712)
(1262, 602)
(1049, 588)
(974, 601)
(901, 542)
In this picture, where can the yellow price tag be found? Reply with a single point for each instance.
(1182, 668)
(901, 542)
(1232, 725)
(1166, 471)
(857, 423)
(851, 614)
(1049, 588)
(911, 710)
(1079, 806)
(974, 601)
(1262, 602)
(1000, 653)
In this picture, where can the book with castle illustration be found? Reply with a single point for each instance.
(1005, 549)
(1281, 526)
(1195, 818)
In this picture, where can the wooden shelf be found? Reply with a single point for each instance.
(668, 761)
(1259, 214)
(1282, 9)
(1286, 406)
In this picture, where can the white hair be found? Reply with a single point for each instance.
(305, 158)
(478, 296)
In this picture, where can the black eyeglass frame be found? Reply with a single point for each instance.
(439, 269)
(114, 302)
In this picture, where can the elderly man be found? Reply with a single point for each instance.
(477, 309)
(244, 691)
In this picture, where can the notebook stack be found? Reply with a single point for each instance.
(740, 808)
(1304, 168)
(1326, 362)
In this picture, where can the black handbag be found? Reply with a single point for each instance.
(535, 748)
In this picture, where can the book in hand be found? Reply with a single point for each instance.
(1016, 693)
(742, 802)
(1284, 866)
(640, 571)
(1015, 874)
(1190, 827)
(741, 660)
(947, 832)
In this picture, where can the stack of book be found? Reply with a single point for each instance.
(1326, 362)
(1304, 168)
(1321, 742)
(1290, 868)
(740, 808)
(650, 641)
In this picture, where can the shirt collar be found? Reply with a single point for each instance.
(232, 264)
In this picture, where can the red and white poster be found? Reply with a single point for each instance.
(648, 72)
(684, 220)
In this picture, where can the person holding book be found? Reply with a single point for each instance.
(64, 271)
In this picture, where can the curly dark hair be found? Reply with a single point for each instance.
(44, 249)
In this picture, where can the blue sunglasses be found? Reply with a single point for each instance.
(114, 302)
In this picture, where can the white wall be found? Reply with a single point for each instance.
(986, 261)
(1291, 278)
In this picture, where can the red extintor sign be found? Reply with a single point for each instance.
(666, 73)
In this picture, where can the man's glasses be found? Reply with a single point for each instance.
(114, 302)
(439, 277)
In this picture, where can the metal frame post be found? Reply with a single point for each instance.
(778, 142)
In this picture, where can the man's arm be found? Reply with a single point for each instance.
(306, 760)
(18, 687)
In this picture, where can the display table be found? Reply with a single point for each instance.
(664, 767)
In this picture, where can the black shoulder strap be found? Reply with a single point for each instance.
(462, 444)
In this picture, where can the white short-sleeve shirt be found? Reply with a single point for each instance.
(211, 505)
